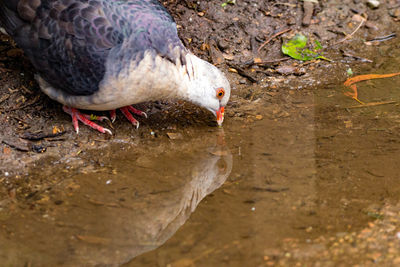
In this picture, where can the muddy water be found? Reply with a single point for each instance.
(315, 165)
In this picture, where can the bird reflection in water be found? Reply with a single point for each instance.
(158, 200)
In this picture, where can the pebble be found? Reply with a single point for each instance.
(373, 4)
(222, 44)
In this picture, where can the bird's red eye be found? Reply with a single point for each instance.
(220, 93)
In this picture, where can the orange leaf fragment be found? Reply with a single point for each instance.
(351, 82)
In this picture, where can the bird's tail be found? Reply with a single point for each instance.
(9, 18)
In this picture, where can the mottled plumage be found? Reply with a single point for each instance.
(106, 54)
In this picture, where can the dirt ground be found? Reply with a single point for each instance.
(230, 37)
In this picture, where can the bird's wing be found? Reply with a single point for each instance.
(69, 41)
(153, 28)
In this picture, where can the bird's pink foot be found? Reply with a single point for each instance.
(85, 119)
(136, 111)
(127, 111)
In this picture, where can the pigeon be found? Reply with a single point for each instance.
(105, 55)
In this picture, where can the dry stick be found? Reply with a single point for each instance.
(271, 61)
(372, 104)
(308, 7)
(266, 62)
(272, 37)
(34, 101)
(285, 4)
(4, 98)
(351, 34)
(347, 54)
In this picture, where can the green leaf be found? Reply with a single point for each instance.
(349, 72)
(232, 2)
(295, 48)
(318, 45)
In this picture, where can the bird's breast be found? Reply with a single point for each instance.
(154, 78)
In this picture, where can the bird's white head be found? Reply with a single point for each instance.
(208, 86)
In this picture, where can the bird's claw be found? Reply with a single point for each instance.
(88, 119)
(127, 111)
(85, 119)
(113, 115)
(107, 131)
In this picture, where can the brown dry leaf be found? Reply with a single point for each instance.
(174, 136)
(43, 200)
(257, 60)
(219, 153)
(73, 186)
(348, 124)
(15, 52)
(99, 203)
(56, 130)
(232, 70)
(7, 150)
(184, 262)
(204, 47)
(228, 56)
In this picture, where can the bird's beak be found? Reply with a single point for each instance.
(220, 116)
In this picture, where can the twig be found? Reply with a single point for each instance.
(18, 119)
(383, 38)
(18, 146)
(40, 135)
(347, 54)
(34, 101)
(241, 72)
(284, 4)
(272, 37)
(351, 34)
(4, 98)
(266, 62)
(271, 61)
(372, 104)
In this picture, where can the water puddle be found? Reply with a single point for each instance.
(309, 167)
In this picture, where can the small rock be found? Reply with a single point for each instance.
(371, 25)
(373, 3)
(357, 18)
(394, 12)
(286, 70)
(222, 44)
(228, 56)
